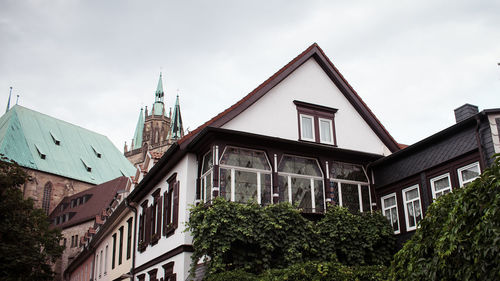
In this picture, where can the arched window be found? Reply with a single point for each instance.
(300, 182)
(245, 175)
(350, 186)
(47, 192)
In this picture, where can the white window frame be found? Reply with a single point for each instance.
(302, 137)
(433, 188)
(206, 177)
(459, 171)
(384, 209)
(360, 185)
(405, 202)
(330, 122)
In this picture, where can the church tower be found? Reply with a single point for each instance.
(155, 130)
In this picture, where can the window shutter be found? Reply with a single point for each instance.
(147, 239)
(158, 216)
(165, 206)
(176, 205)
(141, 228)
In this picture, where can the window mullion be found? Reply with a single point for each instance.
(360, 198)
(233, 181)
(259, 199)
(340, 193)
(313, 200)
(290, 189)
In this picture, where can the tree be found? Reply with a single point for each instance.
(27, 244)
(459, 238)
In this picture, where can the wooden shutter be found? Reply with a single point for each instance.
(158, 216)
(176, 204)
(141, 228)
(165, 212)
(147, 239)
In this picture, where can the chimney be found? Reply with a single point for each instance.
(465, 111)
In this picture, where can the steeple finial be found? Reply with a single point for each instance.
(8, 103)
(176, 131)
(158, 104)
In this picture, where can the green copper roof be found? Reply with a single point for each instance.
(137, 140)
(158, 105)
(40, 142)
(176, 130)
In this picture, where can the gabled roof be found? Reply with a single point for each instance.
(41, 142)
(315, 52)
(98, 198)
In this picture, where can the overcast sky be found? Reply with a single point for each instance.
(95, 63)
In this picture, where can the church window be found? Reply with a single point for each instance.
(47, 192)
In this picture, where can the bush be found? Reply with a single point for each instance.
(459, 238)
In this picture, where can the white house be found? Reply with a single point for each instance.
(303, 136)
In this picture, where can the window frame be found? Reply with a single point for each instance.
(313, 130)
(330, 121)
(206, 177)
(433, 185)
(384, 209)
(405, 202)
(459, 173)
(318, 113)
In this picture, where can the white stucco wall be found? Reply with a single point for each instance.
(275, 114)
(186, 170)
(494, 131)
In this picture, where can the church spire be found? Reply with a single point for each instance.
(176, 130)
(137, 140)
(158, 106)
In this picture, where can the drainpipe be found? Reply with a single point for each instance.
(479, 144)
(132, 206)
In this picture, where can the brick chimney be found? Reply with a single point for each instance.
(465, 111)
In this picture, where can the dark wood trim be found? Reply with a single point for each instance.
(174, 252)
(315, 106)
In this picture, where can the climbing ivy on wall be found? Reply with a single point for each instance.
(253, 238)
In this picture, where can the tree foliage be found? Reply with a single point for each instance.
(459, 238)
(251, 238)
(27, 245)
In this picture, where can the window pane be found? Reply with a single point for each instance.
(207, 162)
(247, 158)
(207, 189)
(325, 130)
(365, 196)
(307, 127)
(418, 212)
(225, 183)
(442, 184)
(318, 196)
(335, 186)
(394, 219)
(411, 194)
(265, 182)
(470, 173)
(245, 186)
(283, 188)
(350, 196)
(300, 166)
(389, 202)
(301, 193)
(347, 171)
(411, 214)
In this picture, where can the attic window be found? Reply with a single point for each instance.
(55, 138)
(40, 152)
(316, 123)
(87, 167)
(97, 153)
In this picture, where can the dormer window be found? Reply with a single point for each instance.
(97, 153)
(87, 166)
(56, 140)
(40, 152)
(316, 123)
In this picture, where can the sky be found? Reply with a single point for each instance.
(95, 63)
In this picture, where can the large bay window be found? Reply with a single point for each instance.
(206, 180)
(390, 210)
(300, 182)
(350, 186)
(413, 207)
(468, 173)
(245, 175)
(440, 185)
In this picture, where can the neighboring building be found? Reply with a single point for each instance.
(407, 181)
(155, 131)
(79, 216)
(303, 136)
(61, 158)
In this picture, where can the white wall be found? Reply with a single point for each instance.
(494, 131)
(275, 114)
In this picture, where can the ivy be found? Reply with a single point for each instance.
(459, 238)
(233, 236)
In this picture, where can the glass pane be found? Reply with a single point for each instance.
(245, 186)
(442, 183)
(300, 166)
(411, 194)
(335, 186)
(418, 212)
(247, 158)
(225, 183)
(265, 182)
(319, 200)
(389, 202)
(325, 131)
(207, 162)
(301, 193)
(470, 173)
(307, 129)
(283, 188)
(411, 215)
(394, 219)
(350, 196)
(347, 171)
(207, 192)
(365, 196)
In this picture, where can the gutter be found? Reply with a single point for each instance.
(133, 208)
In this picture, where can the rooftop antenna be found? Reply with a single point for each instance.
(8, 103)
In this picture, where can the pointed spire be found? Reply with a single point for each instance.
(158, 105)
(137, 140)
(176, 129)
(8, 103)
